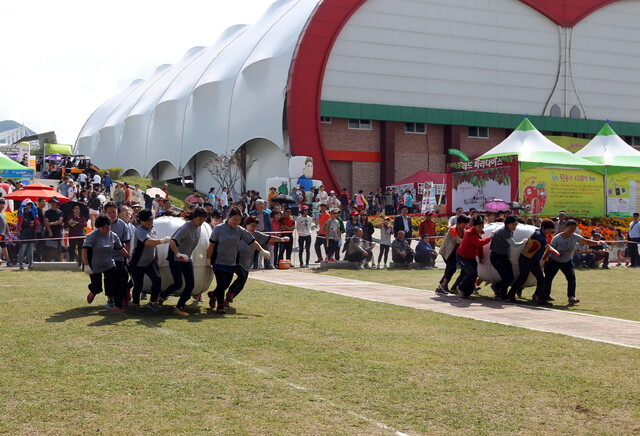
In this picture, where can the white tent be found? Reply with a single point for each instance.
(609, 149)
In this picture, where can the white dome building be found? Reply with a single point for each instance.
(375, 90)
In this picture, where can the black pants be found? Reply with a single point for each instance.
(470, 273)
(384, 250)
(123, 276)
(223, 280)
(276, 254)
(179, 270)
(75, 247)
(502, 264)
(552, 267)
(427, 258)
(304, 243)
(451, 263)
(286, 248)
(111, 285)
(241, 279)
(634, 256)
(528, 265)
(256, 258)
(321, 241)
(402, 260)
(359, 256)
(333, 250)
(138, 273)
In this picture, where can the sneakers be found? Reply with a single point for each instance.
(230, 297)
(110, 303)
(153, 305)
(160, 301)
(198, 298)
(333, 259)
(212, 301)
(135, 307)
(90, 297)
(440, 290)
(179, 311)
(573, 301)
(220, 310)
(118, 309)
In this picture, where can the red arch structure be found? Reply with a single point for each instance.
(312, 54)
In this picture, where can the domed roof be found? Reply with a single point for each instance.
(215, 98)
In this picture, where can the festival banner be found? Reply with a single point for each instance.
(474, 183)
(546, 191)
(623, 194)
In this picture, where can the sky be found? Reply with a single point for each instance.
(60, 60)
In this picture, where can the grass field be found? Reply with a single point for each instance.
(291, 361)
(612, 292)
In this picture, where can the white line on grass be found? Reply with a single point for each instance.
(265, 373)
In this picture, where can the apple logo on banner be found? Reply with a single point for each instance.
(566, 13)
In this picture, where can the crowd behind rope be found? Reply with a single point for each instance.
(252, 232)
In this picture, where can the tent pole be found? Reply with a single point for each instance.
(606, 190)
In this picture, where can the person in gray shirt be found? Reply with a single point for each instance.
(143, 260)
(500, 247)
(97, 259)
(121, 229)
(223, 251)
(182, 244)
(245, 257)
(565, 243)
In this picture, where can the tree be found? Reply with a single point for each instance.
(228, 169)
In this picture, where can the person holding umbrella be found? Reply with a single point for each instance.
(28, 225)
(75, 224)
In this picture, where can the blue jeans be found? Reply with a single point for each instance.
(28, 246)
(470, 269)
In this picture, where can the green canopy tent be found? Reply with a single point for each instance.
(622, 170)
(10, 169)
(551, 178)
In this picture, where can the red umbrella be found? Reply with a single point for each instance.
(37, 185)
(34, 194)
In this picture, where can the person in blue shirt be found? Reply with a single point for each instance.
(107, 182)
(425, 254)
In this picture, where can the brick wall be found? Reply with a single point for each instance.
(338, 136)
(344, 173)
(474, 147)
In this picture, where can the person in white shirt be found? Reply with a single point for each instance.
(333, 201)
(224, 201)
(303, 227)
(634, 236)
(97, 181)
(323, 197)
(453, 221)
(82, 180)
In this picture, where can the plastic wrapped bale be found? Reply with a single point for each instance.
(203, 275)
(487, 272)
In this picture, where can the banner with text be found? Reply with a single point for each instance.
(623, 194)
(474, 183)
(547, 191)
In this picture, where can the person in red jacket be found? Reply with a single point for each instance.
(470, 247)
(428, 227)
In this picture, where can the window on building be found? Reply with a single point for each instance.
(583, 135)
(420, 128)
(325, 120)
(633, 141)
(359, 124)
(555, 111)
(575, 112)
(478, 132)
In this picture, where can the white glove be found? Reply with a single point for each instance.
(183, 257)
(266, 254)
(166, 240)
(87, 270)
(286, 239)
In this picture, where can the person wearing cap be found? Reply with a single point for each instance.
(333, 235)
(143, 259)
(303, 227)
(53, 220)
(427, 227)
(333, 200)
(98, 262)
(28, 225)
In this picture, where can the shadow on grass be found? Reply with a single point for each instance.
(145, 317)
